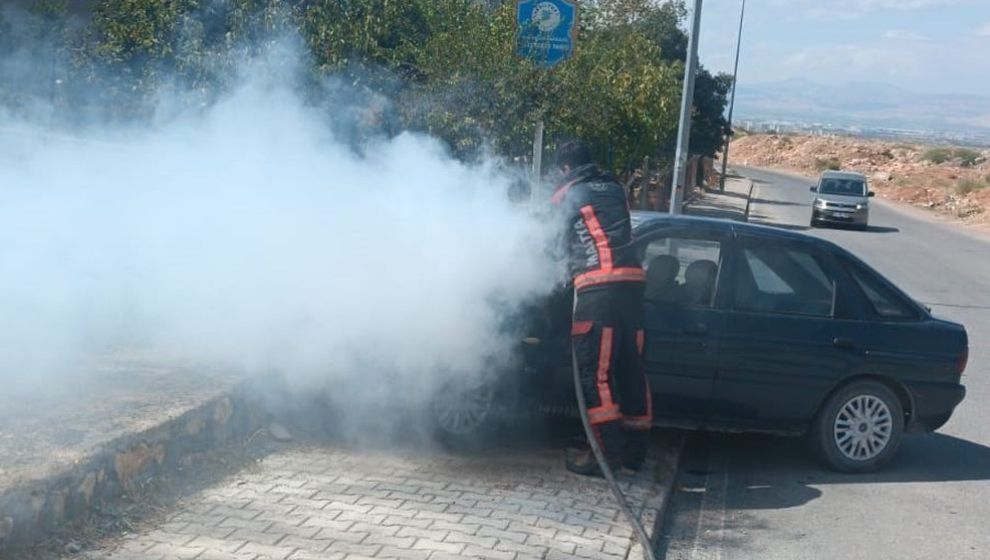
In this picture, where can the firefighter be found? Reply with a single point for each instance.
(607, 325)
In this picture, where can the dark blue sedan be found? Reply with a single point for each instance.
(759, 328)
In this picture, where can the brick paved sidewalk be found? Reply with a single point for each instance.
(309, 502)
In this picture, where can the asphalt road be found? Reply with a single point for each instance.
(746, 496)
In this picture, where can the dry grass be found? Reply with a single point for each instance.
(966, 186)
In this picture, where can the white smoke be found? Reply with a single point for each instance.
(247, 233)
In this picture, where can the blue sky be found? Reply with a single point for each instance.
(929, 46)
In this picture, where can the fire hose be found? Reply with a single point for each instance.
(596, 448)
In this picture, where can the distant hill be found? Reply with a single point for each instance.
(863, 104)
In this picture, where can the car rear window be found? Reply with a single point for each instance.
(885, 302)
(682, 270)
(779, 279)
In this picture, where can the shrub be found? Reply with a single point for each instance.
(966, 157)
(936, 155)
(966, 186)
(828, 164)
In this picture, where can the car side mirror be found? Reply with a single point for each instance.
(813, 189)
(871, 193)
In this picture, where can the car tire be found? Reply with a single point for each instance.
(464, 413)
(859, 428)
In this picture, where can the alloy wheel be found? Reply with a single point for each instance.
(863, 427)
(461, 409)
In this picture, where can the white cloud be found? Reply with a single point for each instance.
(983, 30)
(855, 9)
(903, 4)
(904, 35)
(851, 62)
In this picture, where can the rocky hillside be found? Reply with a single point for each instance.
(946, 179)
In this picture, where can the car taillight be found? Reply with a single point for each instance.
(963, 358)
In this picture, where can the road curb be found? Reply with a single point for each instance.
(31, 512)
(664, 474)
(668, 469)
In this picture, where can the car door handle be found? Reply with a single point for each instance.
(846, 343)
(695, 330)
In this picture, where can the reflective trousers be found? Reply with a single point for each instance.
(607, 333)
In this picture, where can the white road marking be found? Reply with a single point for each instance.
(696, 545)
(712, 516)
(722, 511)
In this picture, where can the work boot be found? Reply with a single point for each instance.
(634, 462)
(584, 462)
(634, 450)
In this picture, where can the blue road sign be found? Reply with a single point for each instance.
(547, 30)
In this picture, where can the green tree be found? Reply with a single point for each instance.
(450, 66)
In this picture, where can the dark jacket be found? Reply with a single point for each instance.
(599, 232)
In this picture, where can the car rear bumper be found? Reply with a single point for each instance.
(934, 404)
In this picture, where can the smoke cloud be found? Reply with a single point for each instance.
(250, 232)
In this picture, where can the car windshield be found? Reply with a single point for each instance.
(848, 187)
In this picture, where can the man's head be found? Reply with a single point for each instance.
(571, 154)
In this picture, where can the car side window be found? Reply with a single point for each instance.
(777, 278)
(681, 270)
(884, 301)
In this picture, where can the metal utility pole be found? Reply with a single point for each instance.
(687, 102)
(537, 153)
(732, 99)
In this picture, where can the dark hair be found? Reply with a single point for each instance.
(572, 153)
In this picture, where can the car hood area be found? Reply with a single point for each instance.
(842, 199)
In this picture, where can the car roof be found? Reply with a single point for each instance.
(843, 175)
(646, 222)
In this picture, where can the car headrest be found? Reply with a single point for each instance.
(662, 269)
(700, 272)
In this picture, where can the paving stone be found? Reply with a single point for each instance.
(342, 536)
(463, 528)
(214, 544)
(403, 553)
(267, 552)
(435, 534)
(340, 504)
(211, 554)
(369, 550)
(166, 537)
(176, 551)
(124, 555)
(493, 522)
(246, 524)
(462, 538)
(300, 543)
(522, 550)
(393, 541)
(406, 521)
(471, 551)
(261, 537)
(290, 529)
(306, 555)
(512, 536)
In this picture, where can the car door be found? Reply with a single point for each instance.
(899, 343)
(682, 323)
(787, 338)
